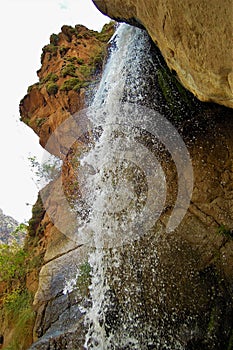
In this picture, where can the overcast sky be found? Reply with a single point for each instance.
(25, 27)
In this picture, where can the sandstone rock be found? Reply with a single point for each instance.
(195, 38)
(173, 286)
(71, 63)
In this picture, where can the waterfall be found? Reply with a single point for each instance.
(102, 222)
(121, 211)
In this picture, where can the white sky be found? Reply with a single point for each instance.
(25, 27)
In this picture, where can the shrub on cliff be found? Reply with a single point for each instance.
(69, 69)
(54, 38)
(52, 88)
(69, 84)
(12, 262)
(68, 31)
(38, 213)
(16, 311)
(51, 77)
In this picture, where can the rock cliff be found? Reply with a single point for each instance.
(176, 286)
(195, 38)
(70, 71)
(7, 226)
(71, 66)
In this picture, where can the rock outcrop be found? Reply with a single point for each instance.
(176, 286)
(71, 69)
(195, 38)
(7, 226)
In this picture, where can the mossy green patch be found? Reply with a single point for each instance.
(38, 213)
(226, 231)
(51, 88)
(84, 279)
(69, 69)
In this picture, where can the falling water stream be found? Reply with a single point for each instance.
(112, 169)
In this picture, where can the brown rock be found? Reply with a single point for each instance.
(195, 38)
(70, 63)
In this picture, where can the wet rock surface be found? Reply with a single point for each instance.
(193, 36)
(168, 288)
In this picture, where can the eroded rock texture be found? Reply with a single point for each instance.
(171, 289)
(195, 38)
(71, 69)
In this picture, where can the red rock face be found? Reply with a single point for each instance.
(70, 63)
(185, 274)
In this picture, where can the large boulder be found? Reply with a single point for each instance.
(194, 36)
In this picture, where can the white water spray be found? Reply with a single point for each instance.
(128, 47)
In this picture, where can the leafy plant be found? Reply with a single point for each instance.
(38, 213)
(86, 70)
(84, 279)
(52, 88)
(71, 59)
(50, 48)
(69, 84)
(20, 228)
(31, 87)
(40, 121)
(12, 262)
(54, 38)
(69, 69)
(51, 77)
(106, 32)
(18, 311)
(80, 60)
(69, 31)
(63, 50)
(45, 171)
(223, 230)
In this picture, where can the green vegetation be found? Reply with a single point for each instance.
(69, 31)
(26, 120)
(46, 171)
(40, 122)
(15, 301)
(54, 38)
(18, 230)
(63, 50)
(106, 32)
(12, 262)
(80, 61)
(50, 48)
(51, 77)
(51, 88)
(38, 213)
(173, 91)
(31, 87)
(74, 60)
(84, 279)
(18, 311)
(72, 84)
(86, 70)
(223, 230)
(69, 69)
(97, 60)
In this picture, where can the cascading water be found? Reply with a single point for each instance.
(103, 225)
(111, 172)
